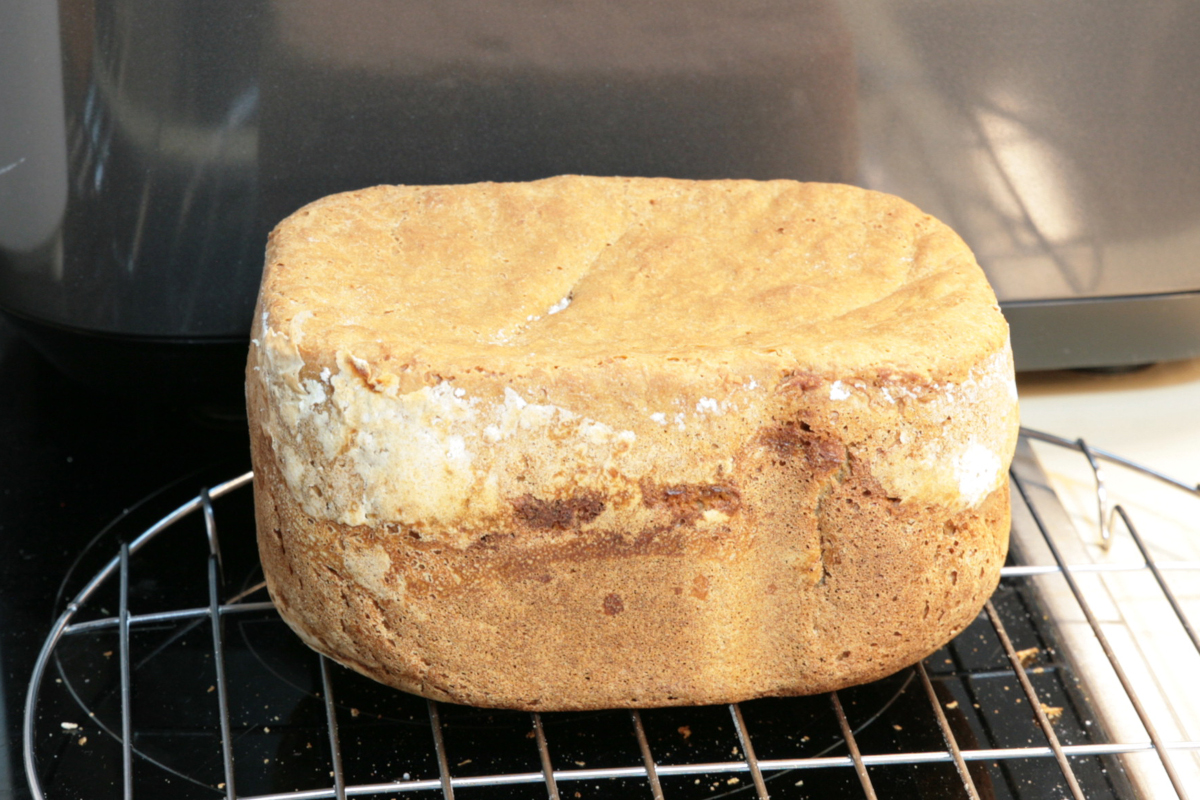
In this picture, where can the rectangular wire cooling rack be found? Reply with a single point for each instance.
(157, 680)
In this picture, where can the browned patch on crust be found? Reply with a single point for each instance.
(700, 587)
(613, 605)
(687, 502)
(797, 438)
(804, 381)
(657, 540)
(559, 513)
(519, 558)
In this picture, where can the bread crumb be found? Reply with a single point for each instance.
(685, 731)
(733, 780)
(1027, 656)
(953, 704)
(897, 727)
(107, 653)
(354, 712)
(464, 762)
(212, 688)
(1053, 713)
(82, 740)
(70, 726)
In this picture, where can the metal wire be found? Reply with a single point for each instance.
(126, 681)
(335, 747)
(739, 725)
(1156, 571)
(1041, 436)
(647, 758)
(544, 755)
(1102, 639)
(859, 767)
(1034, 703)
(214, 615)
(947, 734)
(758, 770)
(1102, 504)
(439, 746)
(222, 683)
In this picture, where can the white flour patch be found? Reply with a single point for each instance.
(977, 469)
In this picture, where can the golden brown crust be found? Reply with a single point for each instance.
(683, 486)
(745, 274)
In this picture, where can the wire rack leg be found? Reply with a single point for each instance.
(126, 680)
(1101, 495)
(739, 725)
(1036, 704)
(439, 747)
(544, 754)
(947, 734)
(214, 615)
(647, 758)
(335, 746)
(852, 744)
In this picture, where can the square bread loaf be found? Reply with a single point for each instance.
(595, 442)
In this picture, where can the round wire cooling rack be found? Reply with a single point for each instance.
(193, 689)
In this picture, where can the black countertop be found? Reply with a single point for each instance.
(73, 459)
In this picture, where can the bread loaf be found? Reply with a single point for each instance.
(595, 442)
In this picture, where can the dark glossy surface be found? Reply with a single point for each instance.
(71, 461)
(135, 180)
(1117, 332)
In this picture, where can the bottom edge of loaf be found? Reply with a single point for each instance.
(620, 630)
(532, 700)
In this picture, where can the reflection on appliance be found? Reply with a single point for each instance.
(1059, 141)
(137, 204)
